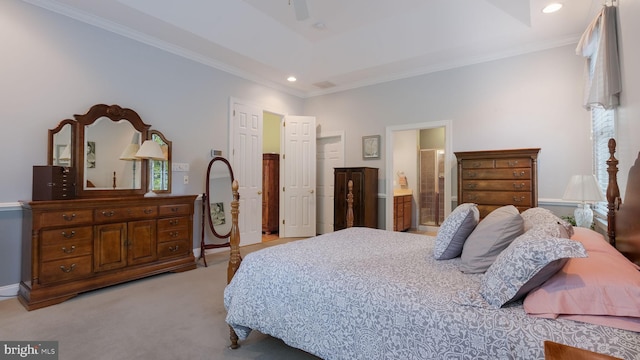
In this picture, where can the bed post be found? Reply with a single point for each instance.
(613, 193)
(350, 204)
(234, 243)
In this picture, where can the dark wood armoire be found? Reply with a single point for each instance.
(270, 193)
(365, 197)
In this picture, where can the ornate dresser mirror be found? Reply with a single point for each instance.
(102, 146)
(216, 203)
(88, 225)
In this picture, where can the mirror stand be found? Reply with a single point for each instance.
(217, 204)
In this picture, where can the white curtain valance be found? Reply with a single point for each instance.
(599, 44)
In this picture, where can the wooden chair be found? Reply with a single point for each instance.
(556, 351)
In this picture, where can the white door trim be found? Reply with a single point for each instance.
(389, 130)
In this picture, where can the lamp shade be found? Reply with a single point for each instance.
(583, 188)
(129, 152)
(150, 150)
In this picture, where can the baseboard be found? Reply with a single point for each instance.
(9, 291)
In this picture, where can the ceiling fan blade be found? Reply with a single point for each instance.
(300, 7)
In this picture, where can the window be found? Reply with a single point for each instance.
(602, 129)
(599, 46)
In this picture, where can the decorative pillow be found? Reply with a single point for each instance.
(454, 231)
(528, 262)
(492, 235)
(605, 283)
(544, 219)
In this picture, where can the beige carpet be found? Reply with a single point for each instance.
(168, 316)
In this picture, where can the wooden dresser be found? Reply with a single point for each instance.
(72, 246)
(402, 212)
(270, 192)
(496, 178)
(365, 197)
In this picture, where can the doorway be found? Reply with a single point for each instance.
(270, 175)
(398, 152)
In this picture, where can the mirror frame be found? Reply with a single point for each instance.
(115, 113)
(168, 160)
(52, 134)
(207, 207)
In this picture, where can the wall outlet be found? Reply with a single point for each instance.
(185, 179)
(180, 167)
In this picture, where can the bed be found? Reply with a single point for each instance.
(363, 293)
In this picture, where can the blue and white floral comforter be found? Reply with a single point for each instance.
(362, 293)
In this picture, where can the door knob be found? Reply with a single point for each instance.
(259, 192)
(311, 191)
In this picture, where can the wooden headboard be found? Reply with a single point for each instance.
(623, 217)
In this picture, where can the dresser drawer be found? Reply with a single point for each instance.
(125, 213)
(67, 249)
(177, 209)
(53, 237)
(513, 163)
(496, 174)
(497, 185)
(66, 218)
(173, 223)
(66, 269)
(478, 164)
(173, 248)
(498, 198)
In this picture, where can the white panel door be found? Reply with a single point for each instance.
(298, 196)
(246, 161)
(330, 155)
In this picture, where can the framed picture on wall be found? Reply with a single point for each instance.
(371, 147)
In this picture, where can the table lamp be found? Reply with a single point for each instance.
(150, 150)
(583, 188)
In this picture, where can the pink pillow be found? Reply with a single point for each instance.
(605, 283)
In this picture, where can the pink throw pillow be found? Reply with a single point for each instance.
(605, 283)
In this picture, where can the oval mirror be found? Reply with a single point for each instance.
(219, 196)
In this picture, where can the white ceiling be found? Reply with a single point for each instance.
(363, 42)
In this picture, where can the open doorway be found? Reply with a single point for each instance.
(405, 175)
(270, 175)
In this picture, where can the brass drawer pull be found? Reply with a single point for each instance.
(471, 197)
(518, 199)
(174, 222)
(472, 174)
(174, 234)
(69, 269)
(69, 251)
(174, 248)
(472, 185)
(516, 174)
(175, 209)
(476, 164)
(512, 163)
(69, 218)
(70, 235)
(518, 186)
(108, 213)
(147, 211)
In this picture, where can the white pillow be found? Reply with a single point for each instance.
(454, 231)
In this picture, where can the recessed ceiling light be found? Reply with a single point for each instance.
(291, 79)
(551, 8)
